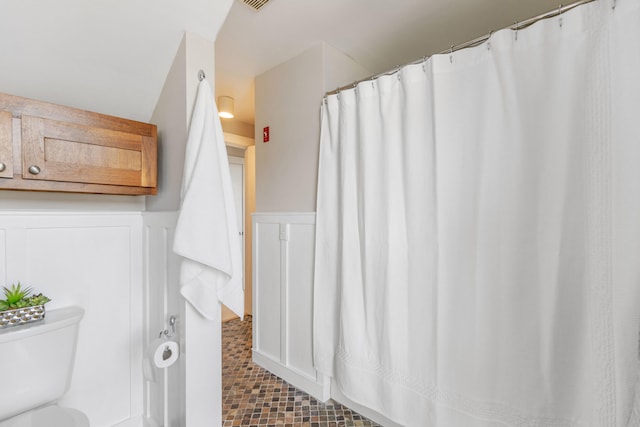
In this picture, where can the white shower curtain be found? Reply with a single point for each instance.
(478, 231)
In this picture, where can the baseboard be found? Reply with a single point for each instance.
(318, 389)
(132, 422)
(374, 416)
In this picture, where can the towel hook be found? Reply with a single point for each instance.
(201, 75)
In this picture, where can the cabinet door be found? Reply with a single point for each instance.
(60, 151)
(6, 145)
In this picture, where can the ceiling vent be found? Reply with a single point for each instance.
(255, 4)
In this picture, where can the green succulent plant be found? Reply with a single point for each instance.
(38, 299)
(18, 297)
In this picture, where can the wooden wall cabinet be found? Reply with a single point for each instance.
(48, 147)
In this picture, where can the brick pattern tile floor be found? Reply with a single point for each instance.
(253, 397)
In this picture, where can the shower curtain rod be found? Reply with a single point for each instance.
(475, 42)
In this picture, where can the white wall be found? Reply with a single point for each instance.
(338, 69)
(171, 116)
(46, 201)
(92, 260)
(284, 246)
(288, 99)
(108, 256)
(85, 250)
(192, 387)
(283, 286)
(163, 404)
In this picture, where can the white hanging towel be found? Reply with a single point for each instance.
(207, 233)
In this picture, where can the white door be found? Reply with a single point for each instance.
(236, 170)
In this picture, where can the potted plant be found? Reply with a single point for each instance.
(20, 306)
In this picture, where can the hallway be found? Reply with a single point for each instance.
(253, 397)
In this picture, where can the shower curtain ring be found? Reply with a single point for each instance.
(560, 15)
(451, 54)
(517, 27)
(613, 5)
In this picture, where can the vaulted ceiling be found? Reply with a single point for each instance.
(112, 56)
(109, 56)
(378, 34)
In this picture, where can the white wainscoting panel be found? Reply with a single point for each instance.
(188, 393)
(283, 254)
(93, 260)
(300, 261)
(3, 258)
(267, 264)
(163, 403)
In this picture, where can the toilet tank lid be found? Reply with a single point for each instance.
(54, 319)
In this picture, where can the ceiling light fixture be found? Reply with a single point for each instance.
(225, 107)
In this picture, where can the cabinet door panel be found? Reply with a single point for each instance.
(6, 145)
(76, 153)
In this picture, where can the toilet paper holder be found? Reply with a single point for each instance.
(172, 325)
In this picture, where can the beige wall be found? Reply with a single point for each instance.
(50, 201)
(249, 168)
(237, 128)
(338, 69)
(288, 99)
(250, 208)
(199, 395)
(171, 115)
(194, 393)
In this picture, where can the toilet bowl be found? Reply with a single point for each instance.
(41, 355)
(48, 416)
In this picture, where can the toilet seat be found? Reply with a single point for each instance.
(48, 416)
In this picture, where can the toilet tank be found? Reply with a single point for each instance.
(36, 360)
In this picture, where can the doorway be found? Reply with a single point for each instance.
(237, 172)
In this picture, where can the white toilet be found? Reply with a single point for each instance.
(36, 362)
